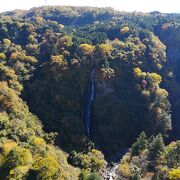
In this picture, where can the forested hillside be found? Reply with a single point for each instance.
(82, 86)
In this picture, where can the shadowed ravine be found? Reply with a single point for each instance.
(110, 173)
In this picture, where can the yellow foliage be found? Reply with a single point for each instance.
(86, 49)
(86, 161)
(8, 146)
(19, 160)
(124, 30)
(10, 77)
(97, 153)
(22, 57)
(145, 93)
(155, 78)
(9, 100)
(14, 56)
(65, 41)
(174, 174)
(124, 170)
(137, 72)
(6, 42)
(126, 158)
(18, 172)
(37, 141)
(57, 62)
(31, 38)
(47, 167)
(39, 20)
(144, 74)
(106, 48)
(97, 160)
(61, 26)
(161, 92)
(24, 156)
(2, 56)
(116, 43)
(30, 59)
(159, 66)
(171, 146)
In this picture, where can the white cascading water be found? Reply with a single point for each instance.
(111, 171)
(90, 98)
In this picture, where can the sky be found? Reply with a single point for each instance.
(167, 6)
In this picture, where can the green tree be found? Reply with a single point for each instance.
(155, 149)
(94, 176)
(139, 145)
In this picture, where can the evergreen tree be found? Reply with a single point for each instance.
(94, 176)
(140, 144)
(155, 149)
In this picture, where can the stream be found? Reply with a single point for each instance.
(111, 172)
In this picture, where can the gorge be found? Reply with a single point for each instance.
(89, 93)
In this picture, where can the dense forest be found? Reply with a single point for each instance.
(84, 89)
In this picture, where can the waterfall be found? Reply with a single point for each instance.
(111, 171)
(89, 101)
